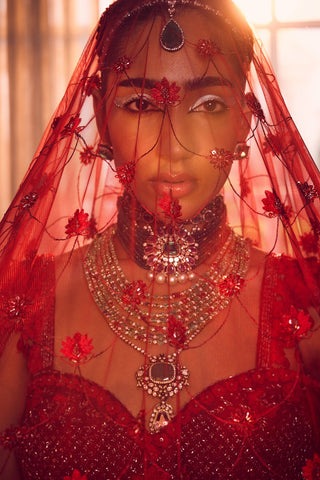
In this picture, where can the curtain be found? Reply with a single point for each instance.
(40, 42)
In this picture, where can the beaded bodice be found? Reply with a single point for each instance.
(255, 425)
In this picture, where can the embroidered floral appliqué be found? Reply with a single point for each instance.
(311, 470)
(122, 64)
(16, 309)
(176, 331)
(244, 422)
(230, 285)
(87, 156)
(308, 191)
(273, 143)
(255, 106)
(126, 173)
(295, 326)
(28, 200)
(165, 93)
(273, 206)
(91, 83)
(244, 187)
(170, 206)
(73, 126)
(80, 224)
(134, 293)
(77, 348)
(76, 475)
(221, 158)
(208, 48)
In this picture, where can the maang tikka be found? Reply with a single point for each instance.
(172, 37)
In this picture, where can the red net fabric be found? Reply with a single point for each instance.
(147, 236)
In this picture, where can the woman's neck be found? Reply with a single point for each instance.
(172, 250)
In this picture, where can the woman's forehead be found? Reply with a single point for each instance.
(151, 60)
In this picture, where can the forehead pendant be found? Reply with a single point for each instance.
(171, 38)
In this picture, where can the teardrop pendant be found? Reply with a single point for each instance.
(172, 37)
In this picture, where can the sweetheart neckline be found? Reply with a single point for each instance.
(194, 402)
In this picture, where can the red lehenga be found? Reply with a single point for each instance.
(263, 423)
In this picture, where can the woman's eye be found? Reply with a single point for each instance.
(136, 104)
(140, 105)
(209, 104)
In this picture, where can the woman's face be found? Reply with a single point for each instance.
(171, 144)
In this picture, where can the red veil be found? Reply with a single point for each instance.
(74, 192)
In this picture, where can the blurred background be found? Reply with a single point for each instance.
(41, 40)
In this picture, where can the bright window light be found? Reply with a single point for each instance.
(257, 11)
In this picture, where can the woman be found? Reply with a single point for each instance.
(159, 280)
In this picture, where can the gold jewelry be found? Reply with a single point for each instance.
(148, 321)
(169, 251)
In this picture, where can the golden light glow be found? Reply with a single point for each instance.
(257, 11)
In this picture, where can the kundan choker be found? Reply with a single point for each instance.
(139, 318)
(169, 251)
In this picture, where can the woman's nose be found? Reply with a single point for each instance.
(174, 139)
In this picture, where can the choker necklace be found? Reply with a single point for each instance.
(169, 252)
(148, 322)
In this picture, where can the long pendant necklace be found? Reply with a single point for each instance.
(162, 375)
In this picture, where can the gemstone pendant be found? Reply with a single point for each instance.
(161, 415)
(162, 377)
(172, 37)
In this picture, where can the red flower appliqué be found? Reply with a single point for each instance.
(91, 83)
(310, 243)
(221, 158)
(126, 173)
(122, 64)
(87, 156)
(208, 48)
(255, 106)
(80, 224)
(244, 422)
(28, 200)
(273, 206)
(16, 309)
(134, 293)
(230, 285)
(76, 475)
(273, 144)
(55, 122)
(170, 206)
(311, 470)
(176, 331)
(165, 93)
(77, 348)
(308, 191)
(295, 326)
(72, 126)
(244, 187)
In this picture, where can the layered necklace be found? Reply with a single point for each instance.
(140, 318)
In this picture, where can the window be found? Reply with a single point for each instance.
(290, 31)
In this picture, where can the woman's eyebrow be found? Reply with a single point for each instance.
(138, 82)
(192, 84)
(208, 81)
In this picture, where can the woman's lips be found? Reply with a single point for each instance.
(177, 186)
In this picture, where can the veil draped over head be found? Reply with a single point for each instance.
(179, 169)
